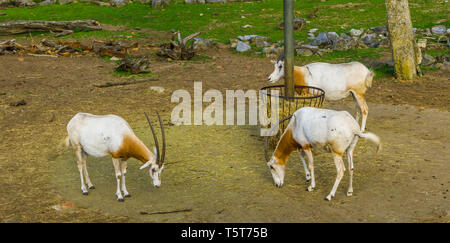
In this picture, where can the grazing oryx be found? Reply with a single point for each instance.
(312, 127)
(100, 136)
(337, 80)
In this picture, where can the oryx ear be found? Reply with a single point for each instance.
(146, 165)
(273, 61)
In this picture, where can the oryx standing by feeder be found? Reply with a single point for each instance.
(100, 136)
(337, 80)
(314, 128)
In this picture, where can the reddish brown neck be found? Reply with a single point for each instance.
(285, 146)
(132, 146)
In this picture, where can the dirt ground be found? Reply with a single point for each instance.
(214, 173)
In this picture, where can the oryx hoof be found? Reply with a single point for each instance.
(328, 198)
(310, 189)
(349, 194)
(92, 187)
(120, 199)
(127, 195)
(85, 193)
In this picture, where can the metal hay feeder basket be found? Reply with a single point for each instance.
(304, 96)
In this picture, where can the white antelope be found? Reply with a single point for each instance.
(100, 136)
(337, 80)
(314, 128)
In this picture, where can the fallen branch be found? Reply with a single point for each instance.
(46, 26)
(109, 84)
(167, 212)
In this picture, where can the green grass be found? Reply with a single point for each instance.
(224, 21)
(220, 22)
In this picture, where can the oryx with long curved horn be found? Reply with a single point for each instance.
(100, 136)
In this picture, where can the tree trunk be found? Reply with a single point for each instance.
(401, 36)
(45, 26)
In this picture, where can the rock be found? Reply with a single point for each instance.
(370, 40)
(322, 52)
(247, 26)
(102, 4)
(268, 51)
(332, 36)
(159, 3)
(242, 47)
(344, 36)
(321, 40)
(384, 43)
(194, 1)
(216, 1)
(311, 36)
(2, 14)
(380, 30)
(233, 42)
(47, 2)
(118, 3)
(427, 31)
(278, 51)
(158, 89)
(422, 43)
(26, 3)
(342, 44)
(427, 60)
(304, 52)
(260, 42)
(313, 30)
(442, 58)
(65, 1)
(355, 32)
(298, 24)
(439, 30)
(202, 44)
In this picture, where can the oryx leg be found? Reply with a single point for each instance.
(350, 164)
(357, 107)
(116, 163)
(311, 168)
(80, 162)
(340, 168)
(85, 172)
(124, 171)
(364, 110)
(307, 174)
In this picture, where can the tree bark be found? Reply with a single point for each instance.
(18, 27)
(401, 36)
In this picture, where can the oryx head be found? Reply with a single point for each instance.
(156, 163)
(278, 73)
(277, 171)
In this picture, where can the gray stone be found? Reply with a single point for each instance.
(344, 36)
(332, 36)
(158, 3)
(47, 2)
(355, 32)
(342, 44)
(298, 24)
(304, 52)
(65, 1)
(439, 30)
(384, 43)
(370, 40)
(118, 3)
(24, 3)
(313, 30)
(102, 4)
(311, 36)
(268, 51)
(216, 1)
(242, 47)
(380, 30)
(260, 42)
(202, 44)
(194, 1)
(427, 60)
(278, 51)
(321, 40)
(233, 42)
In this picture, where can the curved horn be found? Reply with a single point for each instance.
(163, 154)
(154, 137)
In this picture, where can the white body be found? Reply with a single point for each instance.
(100, 136)
(316, 128)
(337, 80)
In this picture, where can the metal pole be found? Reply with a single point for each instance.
(289, 47)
